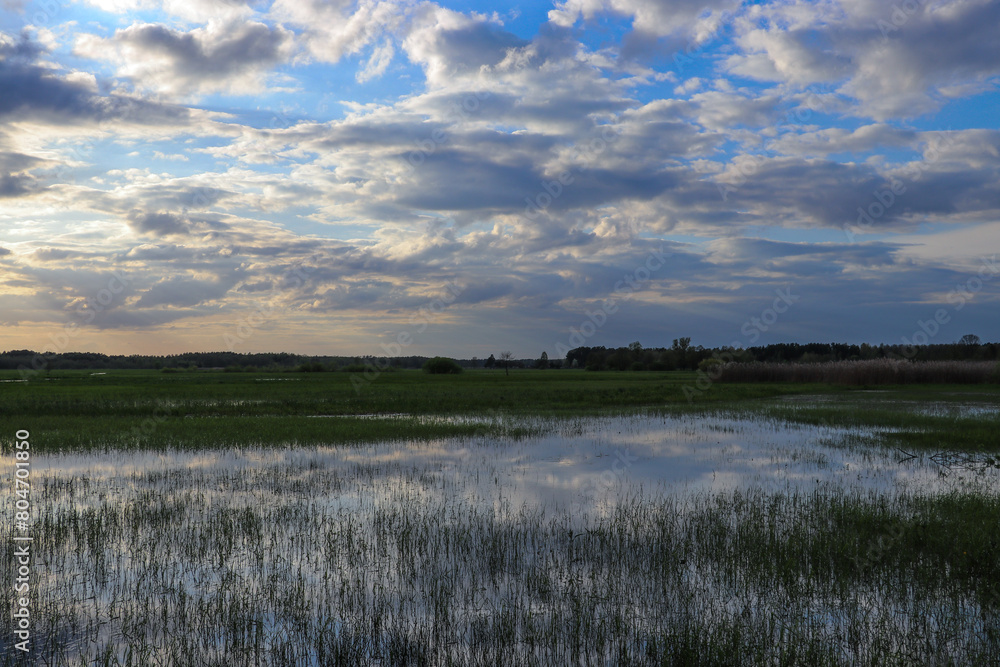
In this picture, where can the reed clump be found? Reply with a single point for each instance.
(864, 372)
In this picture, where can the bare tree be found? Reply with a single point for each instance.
(505, 357)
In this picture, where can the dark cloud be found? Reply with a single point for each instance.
(474, 46)
(183, 292)
(234, 56)
(242, 46)
(895, 61)
(13, 185)
(16, 179)
(38, 94)
(158, 223)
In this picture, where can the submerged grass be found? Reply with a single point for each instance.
(192, 569)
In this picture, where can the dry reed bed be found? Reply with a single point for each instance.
(868, 372)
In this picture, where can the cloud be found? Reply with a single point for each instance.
(335, 29)
(16, 179)
(697, 19)
(448, 44)
(191, 10)
(535, 170)
(860, 140)
(894, 61)
(184, 292)
(41, 95)
(158, 223)
(234, 57)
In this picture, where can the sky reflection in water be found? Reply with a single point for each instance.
(581, 464)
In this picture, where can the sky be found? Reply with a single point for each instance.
(406, 177)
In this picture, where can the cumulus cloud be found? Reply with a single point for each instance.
(234, 58)
(692, 19)
(896, 62)
(534, 170)
(184, 292)
(191, 10)
(333, 30)
(449, 44)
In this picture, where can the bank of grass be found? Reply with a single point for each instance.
(909, 417)
(143, 409)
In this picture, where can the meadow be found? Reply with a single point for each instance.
(563, 517)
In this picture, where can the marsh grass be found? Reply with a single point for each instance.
(134, 409)
(270, 568)
(301, 563)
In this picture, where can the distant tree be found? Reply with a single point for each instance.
(505, 357)
(970, 339)
(681, 344)
(491, 362)
(543, 361)
(637, 346)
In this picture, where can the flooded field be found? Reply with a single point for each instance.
(598, 540)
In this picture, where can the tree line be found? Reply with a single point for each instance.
(681, 355)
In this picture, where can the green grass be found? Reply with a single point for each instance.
(893, 416)
(74, 410)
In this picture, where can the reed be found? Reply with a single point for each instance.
(864, 372)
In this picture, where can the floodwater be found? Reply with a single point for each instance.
(136, 540)
(580, 465)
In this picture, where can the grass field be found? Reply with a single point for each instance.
(248, 519)
(144, 409)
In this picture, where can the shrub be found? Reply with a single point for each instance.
(709, 365)
(353, 368)
(442, 366)
(310, 367)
